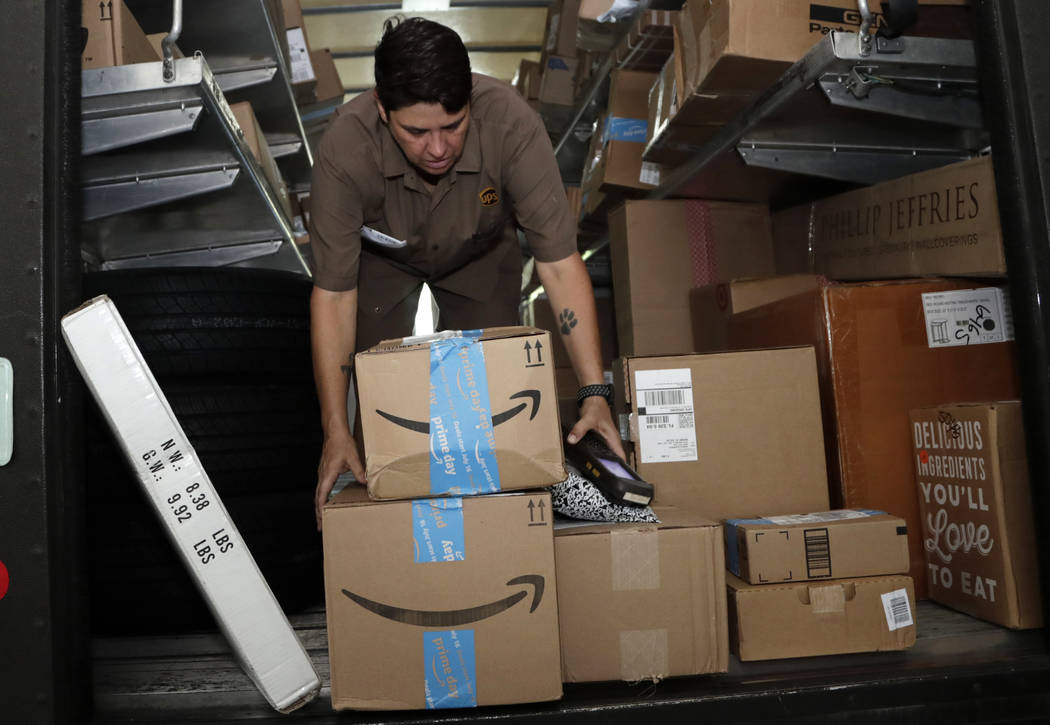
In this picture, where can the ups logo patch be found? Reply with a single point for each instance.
(489, 197)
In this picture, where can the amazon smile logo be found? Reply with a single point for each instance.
(456, 617)
(424, 426)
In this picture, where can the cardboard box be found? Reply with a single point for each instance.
(662, 249)
(190, 510)
(558, 85)
(540, 314)
(827, 545)
(775, 621)
(939, 222)
(734, 49)
(256, 140)
(329, 86)
(649, 42)
(641, 601)
(976, 505)
(292, 14)
(623, 134)
(875, 366)
(113, 36)
(527, 79)
(440, 603)
(712, 306)
(560, 31)
(483, 403)
(670, 140)
(727, 434)
(303, 77)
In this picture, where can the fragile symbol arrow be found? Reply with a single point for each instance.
(541, 507)
(528, 351)
(532, 507)
(539, 351)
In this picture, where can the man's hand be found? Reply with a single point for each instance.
(595, 415)
(338, 456)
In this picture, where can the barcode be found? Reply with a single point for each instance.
(664, 397)
(898, 611)
(818, 553)
(657, 421)
(650, 173)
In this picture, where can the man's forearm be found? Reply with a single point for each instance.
(333, 327)
(569, 290)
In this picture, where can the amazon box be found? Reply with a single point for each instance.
(616, 158)
(712, 306)
(726, 434)
(826, 545)
(978, 531)
(884, 349)
(805, 619)
(440, 603)
(457, 414)
(641, 601)
(112, 36)
(662, 249)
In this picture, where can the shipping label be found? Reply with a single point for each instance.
(897, 608)
(437, 530)
(967, 317)
(302, 69)
(450, 674)
(462, 443)
(666, 425)
(822, 518)
(650, 173)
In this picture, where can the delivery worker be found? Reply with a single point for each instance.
(422, 181)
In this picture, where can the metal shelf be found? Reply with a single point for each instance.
(242, 42)
(196, 199)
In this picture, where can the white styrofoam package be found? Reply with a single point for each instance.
(196, 521)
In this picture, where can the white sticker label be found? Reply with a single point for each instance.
(967, 317)
(302, 68)
(650, 173)
(664, 403)
(897, 608)
(819, 518)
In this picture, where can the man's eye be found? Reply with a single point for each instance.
(416, 132)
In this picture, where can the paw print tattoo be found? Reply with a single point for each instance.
(568, 321)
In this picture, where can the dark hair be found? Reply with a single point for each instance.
(420, 61)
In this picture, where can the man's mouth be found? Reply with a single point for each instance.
(439, 164)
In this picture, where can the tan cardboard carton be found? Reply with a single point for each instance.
(527, 79)
(662, 249)
(876, 365)
(712, 306)
(113, 36)
(439, 603)
(939, 222)
(616, 155)
(560, 32)
(726, 434)
(558, 82)
(734, 49)
(329, 85)
(460, 415)
(775, 621)
(978, 532)
(256, 140)
(827, 545)
(641, 601)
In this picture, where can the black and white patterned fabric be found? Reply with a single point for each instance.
(578, 498)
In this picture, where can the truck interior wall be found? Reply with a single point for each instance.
(1014, 66)
(45, 671)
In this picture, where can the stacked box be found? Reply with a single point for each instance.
(112, 36)
(615, 160)
(439, 579)
(300, 62)
(884, 349)
(818, 584)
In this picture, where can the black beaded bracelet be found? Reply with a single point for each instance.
(587, 391)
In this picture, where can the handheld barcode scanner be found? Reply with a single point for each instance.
(608, 471)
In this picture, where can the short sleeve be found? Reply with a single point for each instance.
(336, 212)
(534, 185)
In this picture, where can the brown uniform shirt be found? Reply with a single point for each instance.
(461, 234)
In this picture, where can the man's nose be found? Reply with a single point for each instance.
(436, 145)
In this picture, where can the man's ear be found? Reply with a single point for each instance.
(379, 106)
